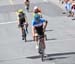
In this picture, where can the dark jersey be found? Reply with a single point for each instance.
(21, 18)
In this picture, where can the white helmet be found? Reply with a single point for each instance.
(35, 8)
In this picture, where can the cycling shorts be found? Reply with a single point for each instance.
(39, 30)
(21, 22)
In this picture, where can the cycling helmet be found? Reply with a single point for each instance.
(36, 9)
(20, 10)
(36, 16)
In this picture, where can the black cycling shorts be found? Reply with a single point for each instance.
(21, 22)
(39, 30)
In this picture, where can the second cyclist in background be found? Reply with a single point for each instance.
(21, 16)
(27, 4)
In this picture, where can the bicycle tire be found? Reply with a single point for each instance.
(41, 51)
(24, 35)
(40, 48)
(42, 56)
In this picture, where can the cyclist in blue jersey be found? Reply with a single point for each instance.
(38, 27)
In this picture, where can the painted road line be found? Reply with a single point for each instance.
(8, 22)
(11, 2)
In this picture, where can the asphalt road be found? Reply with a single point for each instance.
(60, 46)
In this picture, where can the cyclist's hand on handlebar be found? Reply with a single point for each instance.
(44, 30)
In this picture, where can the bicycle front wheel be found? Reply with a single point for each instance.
(42, 55)
(24, 35)
(41, 51)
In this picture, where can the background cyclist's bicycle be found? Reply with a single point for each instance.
(25, 31)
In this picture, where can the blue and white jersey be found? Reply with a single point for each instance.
(38, 23)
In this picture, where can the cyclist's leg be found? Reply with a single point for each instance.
(26, 29)
(45, 36)
(43, 42)
(22, 32)
(36, 39)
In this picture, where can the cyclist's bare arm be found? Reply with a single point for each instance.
(26, 21)
(45, 25)
(33, 31)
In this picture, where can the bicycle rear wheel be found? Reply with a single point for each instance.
(42, 55)
(24, 35)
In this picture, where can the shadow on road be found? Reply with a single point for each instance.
(30, 40)
(53, 56)
(63, 12)
(48, 30)
(51, 39)
(46, 40)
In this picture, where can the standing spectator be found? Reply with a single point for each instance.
(73, 8)
(68, 5)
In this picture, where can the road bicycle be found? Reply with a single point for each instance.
(41, 49)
